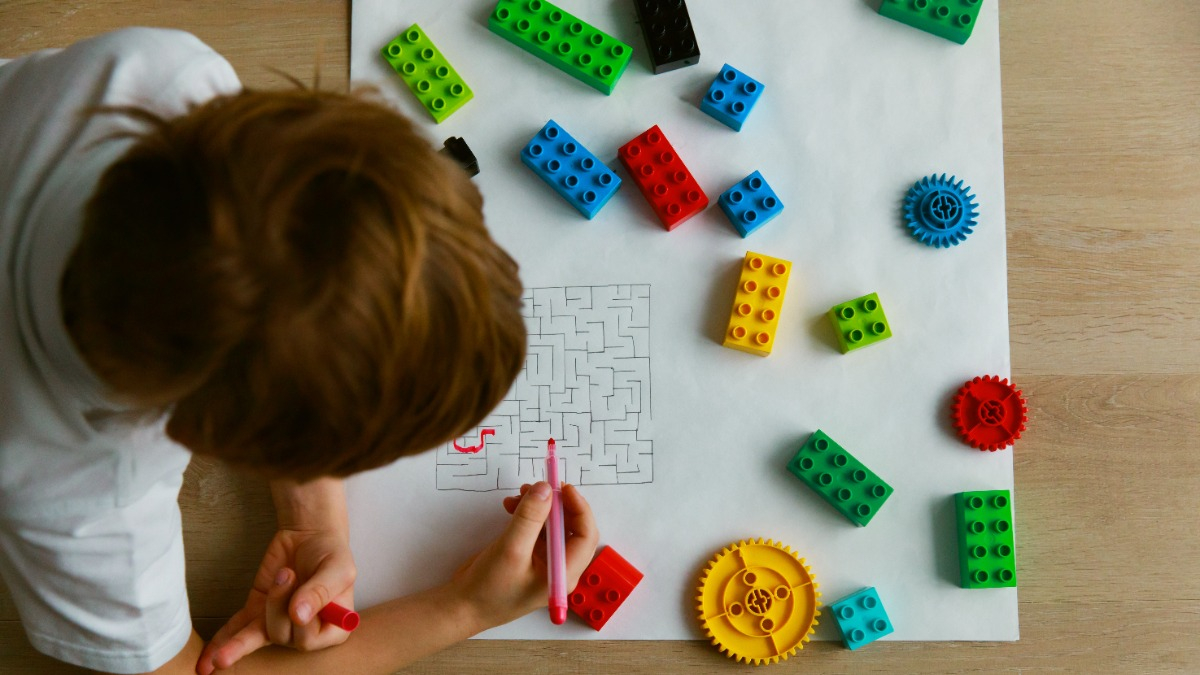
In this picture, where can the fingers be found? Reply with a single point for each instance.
(334, 579)
(582, 533)
(205, 664)
(510, 503)
(528, 518)
(247, 640)
(278, 622)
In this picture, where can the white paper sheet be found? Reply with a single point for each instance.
(856, 108)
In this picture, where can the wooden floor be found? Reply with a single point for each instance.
(1102, 140)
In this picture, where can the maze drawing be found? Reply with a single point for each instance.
(586, 383)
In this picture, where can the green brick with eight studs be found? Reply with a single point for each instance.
(985, 539)
(860, 322)
(427, 73)
(851, 488)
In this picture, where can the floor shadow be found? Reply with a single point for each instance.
(821, 329)
(945, 540)
(720, 307)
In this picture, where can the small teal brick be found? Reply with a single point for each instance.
(584, 181)
(950, 19)
(731, 97)
(851, 488)
(861, 618)
(557, 37)
(750, 204)
(860, 322)
(986, 546)
(428, 74)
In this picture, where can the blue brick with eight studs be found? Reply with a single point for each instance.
(576, 174)
(750, 204)
(731, 97)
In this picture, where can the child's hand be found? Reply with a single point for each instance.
(507, 579)
(301, 572)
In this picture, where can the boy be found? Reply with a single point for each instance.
(294, 282)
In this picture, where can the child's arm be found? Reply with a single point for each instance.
(504, 581)
(313, 545)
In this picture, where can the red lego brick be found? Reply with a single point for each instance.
(662, 177)
(603, 587)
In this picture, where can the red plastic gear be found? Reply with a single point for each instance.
(989, 413)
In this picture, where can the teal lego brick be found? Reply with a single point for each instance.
(986, 545)
(428, 75)
(861, 618)
(851, 488)
(562, 40)
(859, 322)
(950, 19)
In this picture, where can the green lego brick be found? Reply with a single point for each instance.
(950, 19)
(986, 549)
(427, 73)
(860, 322)
(562, 40)
(842, 480)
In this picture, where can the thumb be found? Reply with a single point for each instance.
(334, 577)
(527, 521)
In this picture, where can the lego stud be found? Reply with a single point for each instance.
(879, 625)
(870, 305)
(571, 181)
(806, 464)
(660, 190)
(692, 196)
(768, 315)
(536, 5)
(856, 635)
(523, 25)
(596, 615)
(878, 491)
(855, 335)
(593, 579)
(1005, 575)
(653, 137)
(846, 612)
(502, 14)
(408, 68)
(395, 50)
(589, 197)
(427, 54)
(674, 209)
(821, 445)
(976, 527)
(677, 177)
(773, 292)
(569, 148)
(413, 35)
(457, 90)
(738, 332)
(555, 16)
(858, 475)
(717, 95)
(750, 88)
(863, 510)
(779, 269)
(769, 203)
(667, 157)
(942, 12)
(564, 48)
(763, 338)
(840, 460)
(846, 313)
(869, 603)
(729, 76)
(750, 286)
(825, 479)
(542, 37)
(1002, 526)
(1000, 501)
(612, 595)
(423, 86)
(735, 197)
(978, 552)
(738, 107)
(605, 179)
(964, 20)
(843, 495)
(553, 166)
(438, 104)
(749, 217)
(979, 576)
(878, 328)
(755, 263)
(975, 502)
(1003, 550)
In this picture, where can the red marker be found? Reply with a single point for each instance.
(346, 619)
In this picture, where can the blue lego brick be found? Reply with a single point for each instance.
(573, 172)
(861, 618)
(731, 97)
(750, 204)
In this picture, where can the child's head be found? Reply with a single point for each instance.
(301, 279)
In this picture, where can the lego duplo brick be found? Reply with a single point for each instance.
(950, 19)
(662, 177)
(859, 322)
(670, 38)
(564, 41)
(843, 481)
(757, 304)
(986, 545)
(861, 618)
(750, 204)
(568, 167)
(428, 75)
(731, 97)
(603, 587)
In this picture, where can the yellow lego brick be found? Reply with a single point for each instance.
(757, 304)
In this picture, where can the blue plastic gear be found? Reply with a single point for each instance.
(940, 212)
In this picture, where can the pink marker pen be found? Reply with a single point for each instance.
(556, 533)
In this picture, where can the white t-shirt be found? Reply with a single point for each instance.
(90, 540)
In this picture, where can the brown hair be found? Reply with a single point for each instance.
(300, 279)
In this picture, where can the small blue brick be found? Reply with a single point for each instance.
(750, 204)
(731, 97)
(861, 618)
(573, 172)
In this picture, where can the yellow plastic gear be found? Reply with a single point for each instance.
(758, 601)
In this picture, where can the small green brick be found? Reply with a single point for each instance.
(860, 322)
(562, 40)
(986, 549)
(842, 480)
(950, 19)
(428, 75)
